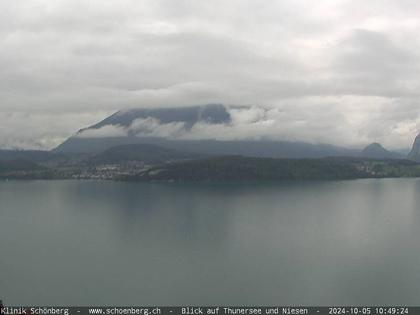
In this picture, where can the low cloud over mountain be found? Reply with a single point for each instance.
(341, 71)
(233, 123)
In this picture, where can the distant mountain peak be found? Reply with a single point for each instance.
(375, 146)
(376, 151)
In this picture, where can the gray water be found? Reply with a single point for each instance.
(306, 243)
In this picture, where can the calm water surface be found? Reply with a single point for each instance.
(313, 243)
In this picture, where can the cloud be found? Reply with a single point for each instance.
(141, 127)
(151, 127)
(103, 132)
(40, 130)
(294, 122)
(351, 62)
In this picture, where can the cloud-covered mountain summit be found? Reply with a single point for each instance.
(212, 129)
(187, 116)
(340, 71)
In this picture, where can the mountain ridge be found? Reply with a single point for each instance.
(188, 116)
(146, 153)
(135, 126)
(209, 113)
(414, 154)
(376, 151)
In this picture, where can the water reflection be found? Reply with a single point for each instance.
(314, 243)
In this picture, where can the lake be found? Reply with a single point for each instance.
(291, 243)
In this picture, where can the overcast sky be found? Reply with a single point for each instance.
(344, 72)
